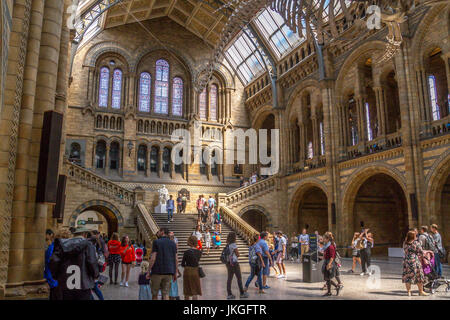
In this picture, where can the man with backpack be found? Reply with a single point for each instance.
(74, 265)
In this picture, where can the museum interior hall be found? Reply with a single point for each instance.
(98, 99)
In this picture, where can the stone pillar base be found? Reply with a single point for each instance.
(26, 290)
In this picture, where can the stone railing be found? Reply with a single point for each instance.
(440, 127)
(239, 225)
(99, 184)
(244, 193)
(146, 225)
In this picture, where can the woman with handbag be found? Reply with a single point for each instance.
(192, 272)
(329, 266)
(128, 259)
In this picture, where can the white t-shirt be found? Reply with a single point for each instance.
(283, 241)
(211, 202)
(198, 234)
(207, 237)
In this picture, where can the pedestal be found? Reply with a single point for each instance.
(160, 208)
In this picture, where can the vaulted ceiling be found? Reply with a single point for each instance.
(200, 17)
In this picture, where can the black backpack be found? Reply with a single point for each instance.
(225, 255)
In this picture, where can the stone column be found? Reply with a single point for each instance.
(107, 159)
(45, 100)
(160, 158)
(381, 111)
(16, 86)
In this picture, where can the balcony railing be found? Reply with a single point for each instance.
(243, 193)
(237, 223)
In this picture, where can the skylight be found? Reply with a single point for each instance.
(276, 32)
(245, 59)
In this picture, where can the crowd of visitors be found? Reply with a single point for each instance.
(76, 259)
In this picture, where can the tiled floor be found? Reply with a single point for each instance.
(355, 286)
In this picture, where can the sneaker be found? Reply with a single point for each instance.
(231, 297)
(368, 273)
(126, 284)
(266, 287)
(244, 295)
(362, 273)
(280, 276)
(285, 277)
(298, 260)
(338, 289)
(351, 271)
(121, 283)
(327, 294)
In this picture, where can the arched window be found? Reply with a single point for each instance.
(162, 87)
(177, 97)
(310, 150)
(213, 103)
(112, 123)
(142, 158)
(117, 89)
(322, 139)
(154, 159)
(166, 160)
(119, 123)
(214, 170)
(369, 127)
(100, 152)
(99, 121)
(179, 167)
(352, 121)
(435, 112)
(202, 163)
(202, 105)
(114, 156)
(103, 87)
(75, 152)
(145, 85)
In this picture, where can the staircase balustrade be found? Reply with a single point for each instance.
(146, 224)
(238, 224)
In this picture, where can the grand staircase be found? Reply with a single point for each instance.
(184, 224)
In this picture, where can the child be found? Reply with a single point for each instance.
(217, 241)
(173, 294)
(207, 240)
(144, 283)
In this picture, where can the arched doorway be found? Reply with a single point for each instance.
(256, 219)
(312, 211)
(380, 205)
(107, 215)
(445, 213)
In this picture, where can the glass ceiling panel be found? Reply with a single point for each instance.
(244, 57)
(276, 32)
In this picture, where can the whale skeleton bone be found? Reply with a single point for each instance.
(307, 17)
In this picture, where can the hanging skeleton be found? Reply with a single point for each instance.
(314, 19)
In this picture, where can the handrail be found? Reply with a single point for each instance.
(238, 224)
(102, 185)
(251, 186)
(146, 223)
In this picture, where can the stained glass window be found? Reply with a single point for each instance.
(202, 105)
(310, 150)
(369, 127)
(177, 97)
(117, 89)
(213, 102)
(103, 87)
(162, 87)
(433, 96)
(145, 84)
(322, 139)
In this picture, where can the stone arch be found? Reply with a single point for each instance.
(260, 209)
(367, 48)
(107, 209)
(297, 195)
(421, 33)
(94, 52)
(298, 90)
(435, 179)
(353, 185)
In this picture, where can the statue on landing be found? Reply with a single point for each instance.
(163, 195)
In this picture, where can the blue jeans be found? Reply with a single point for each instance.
(255, 271)
(97, 292)
(169, 214)
(437, 264)
(266, 270)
